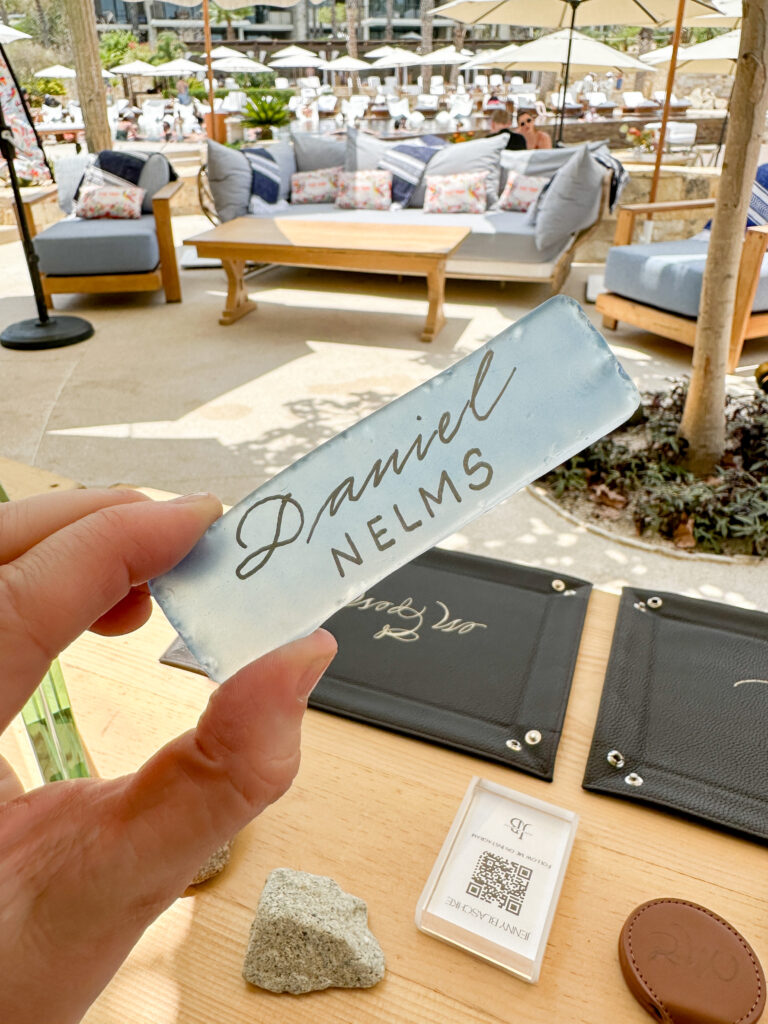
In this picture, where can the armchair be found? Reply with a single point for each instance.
(99, 256)
(657, 286)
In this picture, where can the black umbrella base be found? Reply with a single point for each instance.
(56, 332)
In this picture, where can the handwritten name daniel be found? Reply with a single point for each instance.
(282, 518)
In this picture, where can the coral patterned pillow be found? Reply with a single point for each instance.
(455, 193)
(520, 191)
(315, 186)
(118, 202)
(365, 190)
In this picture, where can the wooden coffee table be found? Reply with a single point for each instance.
(373, 248)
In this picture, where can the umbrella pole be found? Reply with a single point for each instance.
(209, 68)
(667, 102)
(574, 4)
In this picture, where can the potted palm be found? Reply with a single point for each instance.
(266, 113)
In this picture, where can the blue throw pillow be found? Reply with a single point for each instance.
(265, 174)
(758, 201)
(406, 163)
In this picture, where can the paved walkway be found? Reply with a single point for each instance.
(164, 396)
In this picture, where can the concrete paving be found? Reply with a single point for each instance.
(163, 396)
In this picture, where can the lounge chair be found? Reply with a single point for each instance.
(657, 286)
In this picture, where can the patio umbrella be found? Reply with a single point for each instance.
(717, 56)
(561, 12)
(178, 68)
(238, 66)
(345, 63)
(310, 61)
(730, 18)
(292, 51)
(446, 55)
(380, 51)
(661, 56)
(11, 35)
(397, 58)
(134, 67)
(56, 71)
(107, 74)
(218, 52)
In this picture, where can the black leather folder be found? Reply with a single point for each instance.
(469, 652)
(683, 720)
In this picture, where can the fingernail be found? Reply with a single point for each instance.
(198, 496)
(313, 674)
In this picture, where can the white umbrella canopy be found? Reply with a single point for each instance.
(502, 58)
(550, 53)
(238, 66)
(219, 52)
(730, 18)
(380, 51)
(661, 56)
(446, 55)
(345, 63)
(56, 71)
(11, 35)
(310, 61)
(107, 74)
(717, 56)
(135, 67)
(557, 13)
(292, 51)
(178, 68)
(398, 58)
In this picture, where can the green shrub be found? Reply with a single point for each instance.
(641, 468)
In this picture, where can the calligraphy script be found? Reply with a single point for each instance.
(412, 618)
(282, 518)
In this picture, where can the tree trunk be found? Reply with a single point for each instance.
(4, 16)
(459, 35)
(425, 13)
(390, 16)
(703, 424)
(353, 10)
(334, 19)
(90, 84)
(42, 20)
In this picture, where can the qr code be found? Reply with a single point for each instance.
(500, 881)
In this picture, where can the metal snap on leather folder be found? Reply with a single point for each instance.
(683, 717)
(470, 652)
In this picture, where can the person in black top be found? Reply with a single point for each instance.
(501, 121)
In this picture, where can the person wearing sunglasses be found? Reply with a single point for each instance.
(534, 138)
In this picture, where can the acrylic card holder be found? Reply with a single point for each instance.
(495, 885)
(684, 712)
(473, 653)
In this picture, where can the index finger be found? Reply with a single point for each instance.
(25, 523)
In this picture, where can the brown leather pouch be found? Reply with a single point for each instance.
(686, 965)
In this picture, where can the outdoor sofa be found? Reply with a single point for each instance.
(502, 246)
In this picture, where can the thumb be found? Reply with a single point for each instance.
(202, 788)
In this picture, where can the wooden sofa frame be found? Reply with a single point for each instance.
(745, 324)
(165, 275)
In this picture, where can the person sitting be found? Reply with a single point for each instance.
(534, 137)
(126, 128)
(501, 122)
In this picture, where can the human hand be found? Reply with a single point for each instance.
(86, 865)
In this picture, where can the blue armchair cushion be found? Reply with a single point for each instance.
(265, 174)
(75, 247)
(668, 275)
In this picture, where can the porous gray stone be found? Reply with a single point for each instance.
(214, 865)
(309, 934)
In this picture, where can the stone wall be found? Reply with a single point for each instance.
(674, 183)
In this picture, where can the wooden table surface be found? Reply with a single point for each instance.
(317, 234)
(371, 809)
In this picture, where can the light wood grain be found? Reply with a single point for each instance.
(323, 235)
(375, 248)
(371, 809)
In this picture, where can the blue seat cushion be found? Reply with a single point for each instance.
(668, 275)
(74, 247)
